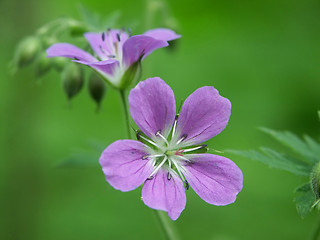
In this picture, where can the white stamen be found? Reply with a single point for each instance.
(174, 128)
(193, 149)
(180, 140)
(149, 141)
(179, 171)
(158, 167)
(152, 156)
(164, 139)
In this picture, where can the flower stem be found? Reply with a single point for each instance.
(166, 225)
(316, 233)
(125, 109)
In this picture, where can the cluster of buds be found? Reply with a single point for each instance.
(31, 50)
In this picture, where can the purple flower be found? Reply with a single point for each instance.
(117, 52)
(166, 157)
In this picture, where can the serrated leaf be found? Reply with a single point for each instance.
(304, 187)
(314, 147)
(294, 143)
(304, 203)
(276, 160)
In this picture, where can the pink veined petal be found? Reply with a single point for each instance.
(162, 34)
(123, 165)
(108, 66)
(69, 51)
(138, 47)
(163, 194)
(217, 180)
(105, 48)
(153, 107)
(204, 115)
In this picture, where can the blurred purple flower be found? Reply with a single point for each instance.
(165, 161)
(116, 52)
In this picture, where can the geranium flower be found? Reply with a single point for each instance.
(166, 158)
(118, 54)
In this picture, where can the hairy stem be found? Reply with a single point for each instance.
(316, 232)
(126, 113)
(168, 230)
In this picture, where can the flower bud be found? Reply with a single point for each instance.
(72, 79)
(77, 28)
(27, 51)
(131, 75)
(97, 88)
(43, 64)
(60, 63)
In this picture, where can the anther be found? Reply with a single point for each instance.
(145, 157)
(158, 133)
(111, 56)
(118, 37)
(130, 32)
(138, 135)
(101, 49)
(184, 136)
(187, 184)
(176, 117)
(103, 37)
(169, 176)
(150, 178)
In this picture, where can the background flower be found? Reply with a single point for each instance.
(116, 52)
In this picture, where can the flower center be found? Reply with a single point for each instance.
(165, 153)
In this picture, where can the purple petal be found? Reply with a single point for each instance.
(105, 48)
(105, 67)
(163, 194)
(140, 46)
(153, 107)
(123, 165)
(69, 51)
(217, 180)
(162, 34)
(204, 115)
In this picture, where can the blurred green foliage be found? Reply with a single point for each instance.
(262, 55)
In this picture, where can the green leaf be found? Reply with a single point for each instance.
(314, 147)
(276, 160)
(304, 202)
(304, 187)
(295, 143)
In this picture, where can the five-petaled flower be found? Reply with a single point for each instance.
(118, 54)
(166, 157)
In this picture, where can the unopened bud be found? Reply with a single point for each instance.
(60, 63)
(72, 79)
(27, 51)
(43, 64)
(77, 28)
(97, 88)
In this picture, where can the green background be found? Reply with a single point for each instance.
(262, 55)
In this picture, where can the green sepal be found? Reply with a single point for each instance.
(131, 75)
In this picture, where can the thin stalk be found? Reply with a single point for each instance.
(166, 225)
(316, 232)
(126, 113)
